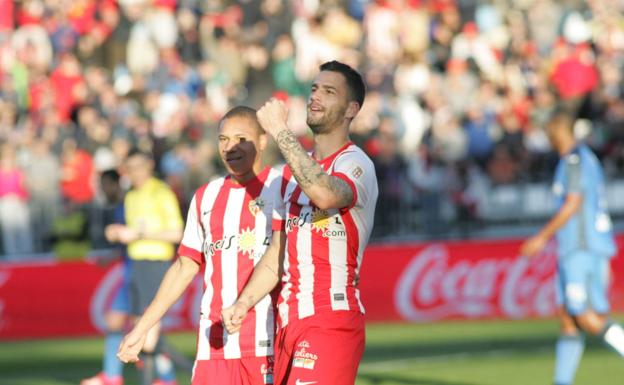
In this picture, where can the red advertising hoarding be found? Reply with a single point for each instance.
(408, 282)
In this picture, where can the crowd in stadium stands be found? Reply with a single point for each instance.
(458, 93)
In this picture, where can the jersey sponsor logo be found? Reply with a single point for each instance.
(298, 221)
(299, 382)
(303, 358)
(255, 206)
(320, 221)
(246, 243)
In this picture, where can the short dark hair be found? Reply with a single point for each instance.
(242, 112)
(357, 89)
(140, 152)
(111, 175)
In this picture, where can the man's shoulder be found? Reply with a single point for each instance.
(583, 156)
(355, 155)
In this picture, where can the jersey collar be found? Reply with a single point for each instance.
(260, 178)
(328, 160)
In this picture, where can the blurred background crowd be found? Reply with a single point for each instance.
(458, 95)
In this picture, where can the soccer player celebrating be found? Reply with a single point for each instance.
(228, 229)
(585, 245)
(328, 202)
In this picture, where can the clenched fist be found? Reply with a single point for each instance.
(232, 317)
(273, 116)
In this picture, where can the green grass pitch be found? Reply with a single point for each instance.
(447, 353)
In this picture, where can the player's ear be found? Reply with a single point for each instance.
(263, 140)
(352, 109)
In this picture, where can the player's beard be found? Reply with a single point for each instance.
(329, 118)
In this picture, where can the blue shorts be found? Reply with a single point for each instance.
(121, 302)
(583, 283)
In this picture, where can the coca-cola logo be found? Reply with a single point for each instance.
(183, 313)
(436, 285)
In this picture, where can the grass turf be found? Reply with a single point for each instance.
(449, 353)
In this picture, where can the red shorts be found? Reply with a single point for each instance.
(243, 371)
(324, 349)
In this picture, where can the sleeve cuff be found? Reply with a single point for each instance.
(191, 253)
(278, 225)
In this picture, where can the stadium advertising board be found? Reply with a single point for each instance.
(410, 282)
(465, 280)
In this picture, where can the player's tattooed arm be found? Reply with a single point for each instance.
(324, 190)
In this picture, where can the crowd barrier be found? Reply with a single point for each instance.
(403, 282)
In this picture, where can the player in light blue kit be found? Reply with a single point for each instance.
(585, 247)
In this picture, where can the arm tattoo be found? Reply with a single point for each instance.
(307, 171)
(343, 190)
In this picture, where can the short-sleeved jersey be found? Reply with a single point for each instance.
(324, 248)
(228, 230)
(152, 208)
(579, 172)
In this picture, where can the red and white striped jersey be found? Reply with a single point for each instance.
(228, 230)
(324, 248)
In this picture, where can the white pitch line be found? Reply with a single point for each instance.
(401, 363)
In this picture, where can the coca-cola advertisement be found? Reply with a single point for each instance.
(409, 282)
(465, 280)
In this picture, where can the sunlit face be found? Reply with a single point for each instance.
(241, 143)
(139, 169)
(328, 105)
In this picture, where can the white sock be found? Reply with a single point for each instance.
(614, 337)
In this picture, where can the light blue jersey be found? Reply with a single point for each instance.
(590, 229)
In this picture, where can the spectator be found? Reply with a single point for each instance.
(14, 211)
(461, 79)
(77, 173)
(42, 178)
